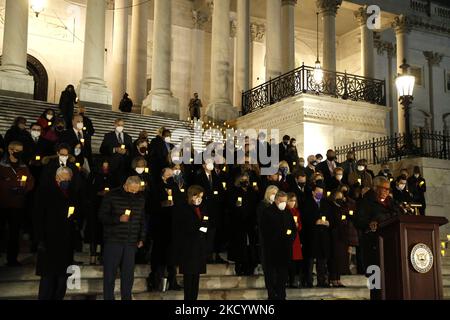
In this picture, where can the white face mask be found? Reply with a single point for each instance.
(63, 159)
(35, 134)
(49, 117)
(167, 139)
(80, 125)
(176, 172)
(140, 170)
(197, 201)
(77, 151)
(282, 206)
(416, 175)
(272, 198)
(279, 178)
(401, 187)
(210, 166)
(119, 129)
(339, 177)
(361, 168)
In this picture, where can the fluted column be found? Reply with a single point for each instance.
(402, 28)
(138, 52)
(220, 107)
(119, 55)
(328, 10)
(433, 59)
(367, 44)
(14, 78)
(288, 34)
(273, 39)
(160, 99)
(257, 67)
(243, 49)
(92, 89)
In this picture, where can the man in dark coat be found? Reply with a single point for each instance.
(88, 128)
(18, 132)
(55, 219)
(283, 148)
(278, 232)
(418, 186)
(327, 168)
(375, 207)
(126, 104)
(195, 104)
(67, 102)
(116, 147)
(160, 148)
(76, 136)
(122, 213)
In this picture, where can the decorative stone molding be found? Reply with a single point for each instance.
(422, 23)
(233, 28)
(288, 2)
(361, 15)
(384, 46)
(258, 31)
(433, 58)
(328, 7)
(199, 19)
(402, 24)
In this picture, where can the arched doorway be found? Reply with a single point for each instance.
(40, 77)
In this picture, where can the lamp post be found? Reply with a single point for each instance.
(37, 6)
(405, 87)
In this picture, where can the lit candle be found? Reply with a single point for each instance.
(84, 128)
(224, 184)
(70, 211)
(391, 179)
(24, 178)
(142, 183)
(182, 190)
(255, 184)
(289, 232)
(344, 217)
(443, 253)
(205, 218)
(448, 237)
(107, 189)
(350, 212)
(294, 163)
(127, 212)
(239, 199)
(328, 193)
(224, 168)
(82, 140)
(49, 123)
(38, 158)
(296, 219)
(359, 181)
(191, 160)
(146, 170)
(216, 192)
(324, 218)
(77, 164)
(169, 198)
(443, 244)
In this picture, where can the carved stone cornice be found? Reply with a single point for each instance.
(199, 19)
(328, 7)
(383, 46)
(433, 58)
(361, 15)
(428, 25)
(402, 24)
(257, 31)
(288, 2)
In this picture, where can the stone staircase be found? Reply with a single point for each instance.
(102, 119)
(220, 283)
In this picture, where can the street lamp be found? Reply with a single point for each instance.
(405, 86)
(37, 6)
(318, 72)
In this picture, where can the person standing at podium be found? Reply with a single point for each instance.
(375, 207)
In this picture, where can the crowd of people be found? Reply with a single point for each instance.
(132, 203)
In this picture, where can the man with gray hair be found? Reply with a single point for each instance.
(122, 214)
(278, 231)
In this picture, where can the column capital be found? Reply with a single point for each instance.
(288, 2)
(402, 24)
(328, 7)
(257, 31)
(361, 15)
(433, 58)
(199, 19)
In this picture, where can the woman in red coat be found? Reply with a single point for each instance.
(297, 255)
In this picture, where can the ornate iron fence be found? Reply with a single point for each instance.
(301, 80)
(422, 143)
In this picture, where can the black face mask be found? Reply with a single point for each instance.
(245, 184)
(17, 155)
(340, 202)
(143, 150)
(301, 184)
(60, 128)
(331, 158)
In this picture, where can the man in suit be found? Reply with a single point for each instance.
(160, 148)
(77, 136)
(283, 148)
(88, 128)
(116, 146)
(327, 168)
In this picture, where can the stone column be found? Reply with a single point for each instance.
(288, 34)
(220, 107)
(328, 9)
(138, 52)
(433, 59)
(119, 55)
(243, 49)
(160, 99)
(14, 77)
(92, 89)
(402, 28)
(258, 36)
(367, 46)
(273, 39)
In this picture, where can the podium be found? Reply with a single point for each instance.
(410, 258)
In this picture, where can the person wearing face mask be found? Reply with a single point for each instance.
(63, 158)
(191, 228)
(56, 131)
(100, 183)
(13, 191)
(19, 132)
(88, 128)
(67, 103)
(122, 214)
(160, 148)
(418, 186)
(311, 167)
(327, 168)
(360, 176)
(284, 173)
(40, 148)
(300, 187)
(81, 162)
(295, 266)
(56, 214)
(76, 136)
(316, 236)
(292, 154)
(337, 180)
(400, 192)
(163, 199)
(46, 120)
(242, 202)
(263, 150)
(278, 231)
(140, 149)
(385, 172)
(117, 146)
(283, 148)
(214, 199)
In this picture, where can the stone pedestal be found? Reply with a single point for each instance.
(16, 85)
(94, 95)
(161, 103)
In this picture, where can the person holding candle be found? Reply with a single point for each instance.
(76, 136)
(122, 214)
(67, 103)
(88, 127)
(18, 132)
(46, 120)
(191, 227)
(337, 179)
(327, 168)
(295, 266)
(418, 187)
(16, 181)
(160, 148)
(360, 177)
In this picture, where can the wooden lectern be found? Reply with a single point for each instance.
(410, 258)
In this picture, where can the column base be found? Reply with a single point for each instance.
(16, 85)
(96, 96)
(163, 105)
(221, 111)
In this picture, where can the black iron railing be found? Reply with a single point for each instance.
(301, 80)
(422, 143)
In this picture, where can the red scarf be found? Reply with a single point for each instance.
(198, 212)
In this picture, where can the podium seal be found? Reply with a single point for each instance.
(421, 258)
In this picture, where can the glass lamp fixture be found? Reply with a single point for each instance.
(37, 6)
(318, 72)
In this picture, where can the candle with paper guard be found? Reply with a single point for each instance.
(182, 190)
(224, 184)
(239, 199)
(344, 217)
(443, 253)
(350, 212)
(324, 218)
(294, 163)
(49, 123)
(296, 219)
(448, 237)
(142, 183)
(443, 244)
(77, 165)
(289, 232)
(328, 193)
(122, 146)
(106, 189)
(70, 211)
(255, 184)
(127, 212)
(82, 140)
(169, 198)
(421, 183)
(205, 218)
(216, 192)
(38, 158)
(24, 178)
(359, 181)
(146, 170)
